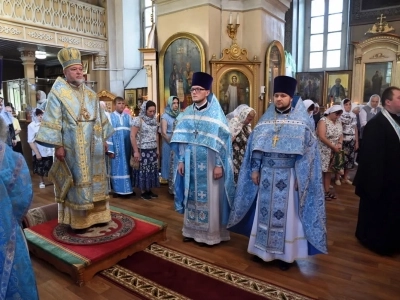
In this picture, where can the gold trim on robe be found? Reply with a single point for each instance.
(83, 138)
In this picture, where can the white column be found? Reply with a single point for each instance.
(124, 34)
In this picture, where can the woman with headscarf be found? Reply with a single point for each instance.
(316, 114)
(350, 140)
(240, 128)
(310, 105)
(329, 131)
(41, 100)
(144, 139)
(167, 122)
(8, 120)
(369, 111)
(42, 156)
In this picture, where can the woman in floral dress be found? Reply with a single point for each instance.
(240, 128)
(329, 131)
(350, 140)
(144, 139)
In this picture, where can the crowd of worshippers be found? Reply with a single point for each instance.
(270, 183)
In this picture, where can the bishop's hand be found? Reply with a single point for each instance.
(60, 153)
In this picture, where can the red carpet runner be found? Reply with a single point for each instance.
(162, 273)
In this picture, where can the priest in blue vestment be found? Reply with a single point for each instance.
(204, 183)
(17, 277)
(279, 200)
(120, 151)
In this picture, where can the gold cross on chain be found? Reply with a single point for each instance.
(275, 139)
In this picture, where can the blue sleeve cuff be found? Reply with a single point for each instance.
(255, 164)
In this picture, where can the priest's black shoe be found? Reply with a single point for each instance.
(100, 224)
(284, 266)
(187, 239)
(205, 245)
(257, 259)
(79, 231)
(152, 195)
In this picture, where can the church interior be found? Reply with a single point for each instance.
(148, 50)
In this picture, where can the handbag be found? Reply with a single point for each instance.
(133, 163)
(337, 162)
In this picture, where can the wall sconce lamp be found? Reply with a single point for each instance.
(232, 28)
(262, 92)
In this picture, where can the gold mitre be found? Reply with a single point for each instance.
(69, 56)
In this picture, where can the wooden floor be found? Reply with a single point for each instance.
(349, 271)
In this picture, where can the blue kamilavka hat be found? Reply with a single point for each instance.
(285, 84)
(202, 79)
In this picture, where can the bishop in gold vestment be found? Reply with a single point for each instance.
(75, 125)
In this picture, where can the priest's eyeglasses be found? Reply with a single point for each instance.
(197, 90)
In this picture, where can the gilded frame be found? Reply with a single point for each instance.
(382, 69)
(85, 66)
(378, 49)
(235, 62)
(188, 48)
(242, 88)
(345, 86)
(273, 69)
(316, 82)
(130, 98)
(108, 99)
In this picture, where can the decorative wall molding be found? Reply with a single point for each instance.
(100, 60)
(10, 30)
(235, 52)
(72, 16)
(69, 40)
(27, 53)
(21, 33)
(378, 56)
(148, 70)
(40, 36)
(94, 44)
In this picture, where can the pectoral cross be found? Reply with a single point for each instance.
(275, 139)
(195, 133)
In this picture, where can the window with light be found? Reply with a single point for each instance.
(147, 19)
(327, 33)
